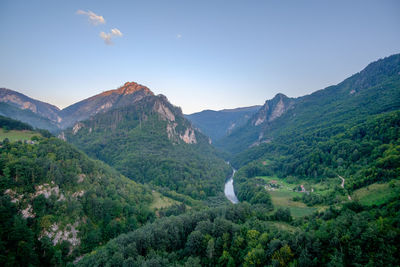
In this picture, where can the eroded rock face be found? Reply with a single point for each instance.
(77, 127)
(19, 102)
(47, 190)
(273, 109)
(78, 194)
(24, 102)
(189, 136)
(171, 131)
(164, 111)
(278, 110)
(28, 212)
(13, 195)
(62, 136)
(69, 233)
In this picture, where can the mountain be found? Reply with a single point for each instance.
(127, 94)
(272, 109)
(349, 132)
(57, 204)
(34, 112)
(217, 124)
(27, 116)
(372, 91)
(24, 102)
(150, 141)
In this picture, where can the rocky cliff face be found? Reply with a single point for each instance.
(178, 129)
(272, 109)
(24, 102)
(127, 94)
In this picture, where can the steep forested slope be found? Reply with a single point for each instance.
(151, 142)
(56, 203)
(374, 90)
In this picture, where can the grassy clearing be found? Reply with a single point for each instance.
(377, 194)
(14, 135)
(283, 195)
(284, 226)
(161, 201)
(283, 199)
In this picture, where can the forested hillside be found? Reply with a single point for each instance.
(241, 235)
(57, 204)
(317, 180)
(372, 91)
(151, 142)
(347, 132)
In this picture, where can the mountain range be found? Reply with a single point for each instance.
(317, 179)
(127, 94)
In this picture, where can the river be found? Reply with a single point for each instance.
(229, 192)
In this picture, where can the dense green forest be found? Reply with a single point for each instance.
(240, 235)
(135, 141)
(57, 204)
(364, 154)
(10, 124)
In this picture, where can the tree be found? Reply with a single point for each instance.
(284, 255)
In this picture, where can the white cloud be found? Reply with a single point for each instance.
(116, 32)
(178, 36)
(108, 36)
(92, 17)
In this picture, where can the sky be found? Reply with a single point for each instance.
(200, 54)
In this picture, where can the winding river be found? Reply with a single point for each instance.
(229, 192)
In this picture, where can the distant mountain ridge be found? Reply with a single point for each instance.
(217, 124)
(24, 102)
(27, 116)
(40, 112)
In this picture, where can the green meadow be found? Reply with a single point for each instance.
(14, 135)
(161, 201)
(282, 197)
(377, 194)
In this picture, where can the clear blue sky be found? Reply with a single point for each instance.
(200, 54)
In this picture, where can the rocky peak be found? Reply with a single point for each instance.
(272, 109)
(128, 88)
